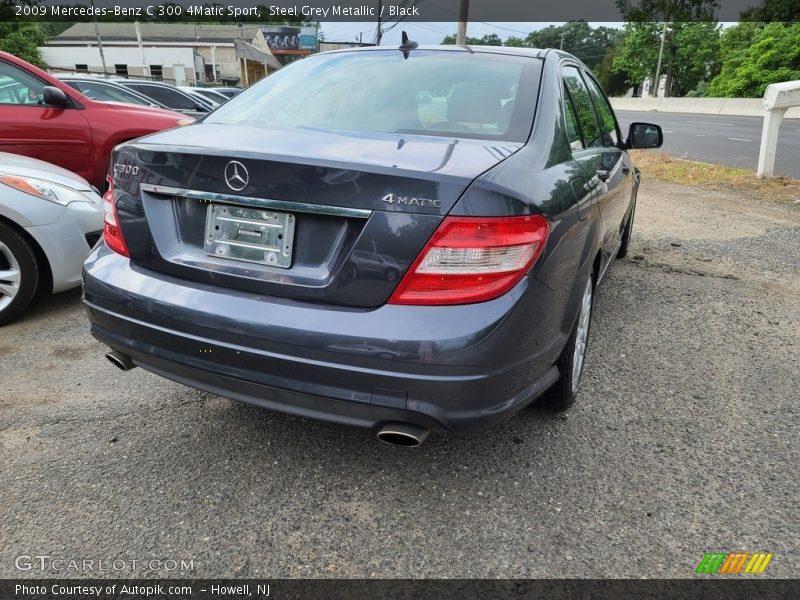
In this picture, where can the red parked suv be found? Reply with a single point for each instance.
(44, 118)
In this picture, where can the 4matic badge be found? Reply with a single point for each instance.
(412, 201)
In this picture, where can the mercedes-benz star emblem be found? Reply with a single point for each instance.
(236, 176)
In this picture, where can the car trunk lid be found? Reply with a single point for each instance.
(361, 206)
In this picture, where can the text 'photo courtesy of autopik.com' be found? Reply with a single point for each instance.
(430, 299)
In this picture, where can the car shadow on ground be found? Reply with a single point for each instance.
(51, 306)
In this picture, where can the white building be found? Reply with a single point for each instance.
(180, 53)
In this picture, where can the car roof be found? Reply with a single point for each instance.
(88, 78)
(508, 50)
(126, 80)
(147, 82)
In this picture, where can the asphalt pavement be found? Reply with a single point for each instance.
(684, 439)
(733, 141)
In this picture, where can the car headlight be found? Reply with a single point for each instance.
(46, 190)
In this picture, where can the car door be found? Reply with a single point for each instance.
(597, 155)
(59, 135)
(616, 169)
(581, 187)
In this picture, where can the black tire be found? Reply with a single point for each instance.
(11, 242)
(626, 235)
(563, 392)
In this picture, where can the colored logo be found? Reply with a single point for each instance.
(734, 563)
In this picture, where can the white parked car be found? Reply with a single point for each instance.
(49, 220)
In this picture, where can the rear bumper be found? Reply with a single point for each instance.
(447, 368)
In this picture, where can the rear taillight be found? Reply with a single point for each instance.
(112, 234)
(473, 259)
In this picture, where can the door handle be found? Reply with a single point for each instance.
(602, 174)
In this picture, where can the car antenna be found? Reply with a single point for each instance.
(407, 45)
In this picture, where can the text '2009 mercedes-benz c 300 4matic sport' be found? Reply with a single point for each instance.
(407, 239)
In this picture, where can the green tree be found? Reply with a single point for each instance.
(514, 42)
(615, 83)
(771, 55)
(667, 10)
(692, 56)
(786, 11)
(638, 55)
(491, 39)
(22, 39)
(578, 38)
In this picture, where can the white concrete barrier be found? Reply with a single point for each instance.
(742, 107)
(779, 99)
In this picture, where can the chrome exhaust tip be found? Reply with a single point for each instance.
(120, 360)
(403, 434)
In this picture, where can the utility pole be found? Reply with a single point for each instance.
(145, 69)
(99, 41)
(657, 82)
(461, 34)
(563, 33)
(379, 31)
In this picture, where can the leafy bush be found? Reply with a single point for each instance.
(755, 55)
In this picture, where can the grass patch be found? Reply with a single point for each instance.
(665, 167)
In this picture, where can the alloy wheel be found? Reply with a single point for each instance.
(9, 276)
(581, 336)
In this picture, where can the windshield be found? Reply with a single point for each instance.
(460, 94)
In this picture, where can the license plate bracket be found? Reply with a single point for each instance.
(250, 234)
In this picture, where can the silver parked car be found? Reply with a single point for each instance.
(49, 220)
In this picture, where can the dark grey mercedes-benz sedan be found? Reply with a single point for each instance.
(408, 239)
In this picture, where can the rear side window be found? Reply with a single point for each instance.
(587, 119)
(573, 131)
(608, 123)
(477, 95)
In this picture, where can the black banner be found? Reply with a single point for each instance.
(733, 588)
(400, 10)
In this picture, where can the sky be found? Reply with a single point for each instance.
(429, 33)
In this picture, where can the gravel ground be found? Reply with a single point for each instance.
(684, 438)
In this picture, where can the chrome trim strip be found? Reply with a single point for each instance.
(320, 209)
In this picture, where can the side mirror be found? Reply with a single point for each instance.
(55, 97)
(645, 135)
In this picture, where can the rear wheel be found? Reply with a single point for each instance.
(19, 274)
(570, 364)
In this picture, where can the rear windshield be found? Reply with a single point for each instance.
(448, 93)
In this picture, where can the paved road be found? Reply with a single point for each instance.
(721, 139)
(684, 438)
